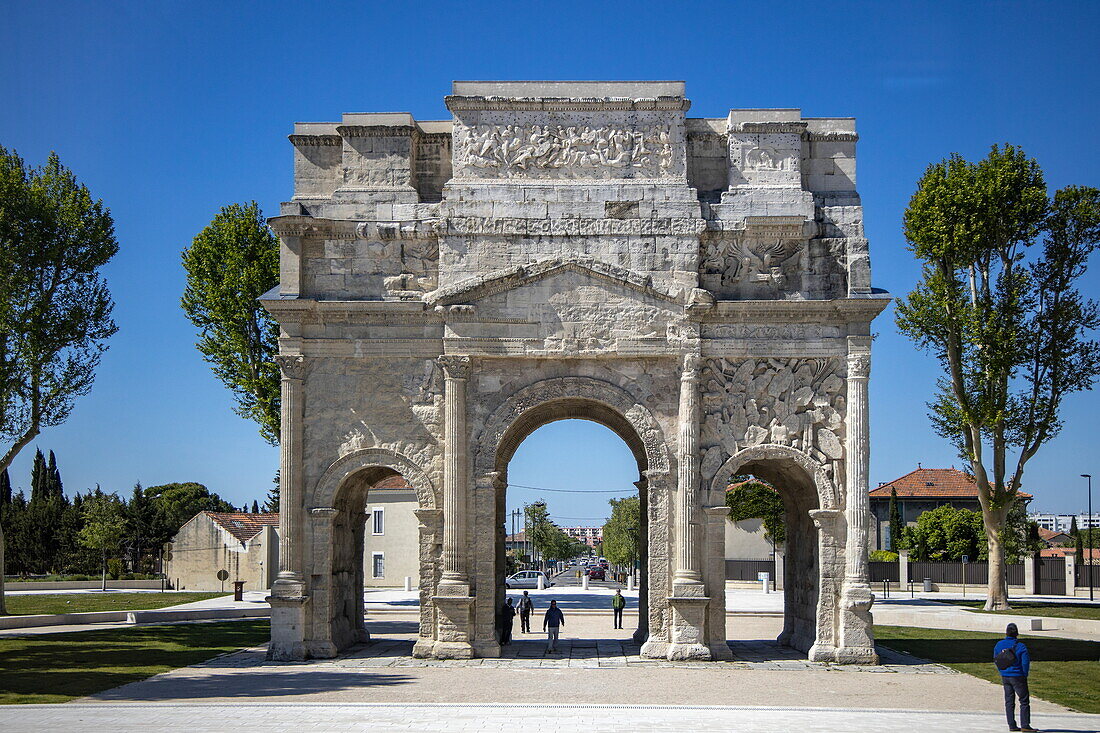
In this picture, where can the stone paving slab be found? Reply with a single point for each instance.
(444, 718)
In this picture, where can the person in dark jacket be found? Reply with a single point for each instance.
(525, 607)
(550, 623)
(618, 603)
(1014, 679)
(507, 617)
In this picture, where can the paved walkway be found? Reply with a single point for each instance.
(444, 718)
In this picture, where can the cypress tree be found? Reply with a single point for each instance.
(255, 507)
(53, 478)
(5, 489)
(895, 522)
(38, 477)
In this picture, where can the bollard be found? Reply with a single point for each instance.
(542, 582)
(765, 581)
(630, 582)
(238, 590)
(408, 583)
(584, 582)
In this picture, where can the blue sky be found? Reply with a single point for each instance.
(170, 110)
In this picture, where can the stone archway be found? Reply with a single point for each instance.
(337, 530)
(566, 398)
(808, 493)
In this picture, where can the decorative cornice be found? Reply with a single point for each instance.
(796, 128)
(832, 137)
(468, 225)
(376, 130)
(457, 103)
(316, 141)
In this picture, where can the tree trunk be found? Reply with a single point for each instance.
(3, 605)
(997, 592)
(104, 588)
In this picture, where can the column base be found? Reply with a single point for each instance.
(422, 649)
(654, 649)
(288, 623)
(856, 644)
(453, 630)
(486, 649)
(720, 652)
(822, 653)
(688, 629)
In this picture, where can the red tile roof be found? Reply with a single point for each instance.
(1049, 535)
(932, 483)
(242, 525)
(397, 481)
(1090, 556)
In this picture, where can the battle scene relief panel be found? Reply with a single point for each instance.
(793, 402)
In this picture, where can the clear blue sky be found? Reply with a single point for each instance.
(169, 110)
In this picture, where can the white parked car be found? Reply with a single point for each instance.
(527, 579)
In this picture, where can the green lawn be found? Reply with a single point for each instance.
(1039, 608)
(1064, 671)
(60, 667)
(75, 602)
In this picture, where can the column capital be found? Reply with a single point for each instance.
(293, 366)
(455, 366)
(689, 367)
(859, 366)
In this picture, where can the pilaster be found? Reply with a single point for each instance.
(856, 644)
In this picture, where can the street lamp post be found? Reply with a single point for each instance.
(1088, 550)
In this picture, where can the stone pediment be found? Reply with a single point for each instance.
(481, 287)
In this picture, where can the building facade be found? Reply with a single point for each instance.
(700, 286)
(244, 545)
(920, 491)
(590, 536)
(1063, 522)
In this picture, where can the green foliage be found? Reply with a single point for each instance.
(754, 499)
(897, 527)
(883, 556)
(550, 540)
(230, 264)
(622, 532)
(946, 533)
(271, 504)
(178, 502)
(55, 308)
(1009, 327)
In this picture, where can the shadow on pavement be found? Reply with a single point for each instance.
(256, 683)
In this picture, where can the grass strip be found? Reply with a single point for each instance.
(49, 603)
(1063, 671)
(59, 667)
(1038, 608)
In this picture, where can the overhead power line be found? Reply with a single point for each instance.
(572, 491)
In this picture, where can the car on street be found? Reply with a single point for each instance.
(527, 579)
(596, 573)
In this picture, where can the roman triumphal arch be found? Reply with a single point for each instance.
(555, 250)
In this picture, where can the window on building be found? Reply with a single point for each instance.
(378, 520)
(378, 565)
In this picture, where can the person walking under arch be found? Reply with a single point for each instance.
(1014, 664)
(525, 607)
(550, 623)
(618, 603)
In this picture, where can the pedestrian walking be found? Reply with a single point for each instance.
(550, 623)
(618, 603)
(1014, 663)
(525, 607)
(507, 616)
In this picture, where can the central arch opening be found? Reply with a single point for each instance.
(573, 456)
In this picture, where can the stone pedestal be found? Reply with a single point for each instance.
(689, 610)
(288, 623)
(453, 623)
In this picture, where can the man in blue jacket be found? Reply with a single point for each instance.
(1014, 678)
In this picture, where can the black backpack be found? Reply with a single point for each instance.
(1006, 657)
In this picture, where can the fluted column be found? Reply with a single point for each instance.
(456, 371)
(857, 512)
(289, 581)
(687, 475)
(855, 642)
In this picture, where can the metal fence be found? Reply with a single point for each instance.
(1087, 573)
(747, 569)
(880, 571)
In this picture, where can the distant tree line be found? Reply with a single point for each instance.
(51, 533)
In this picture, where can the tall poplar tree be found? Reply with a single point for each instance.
(1006, 322)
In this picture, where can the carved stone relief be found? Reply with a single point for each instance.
(794, 402)
(752, 269)
(560, 151)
